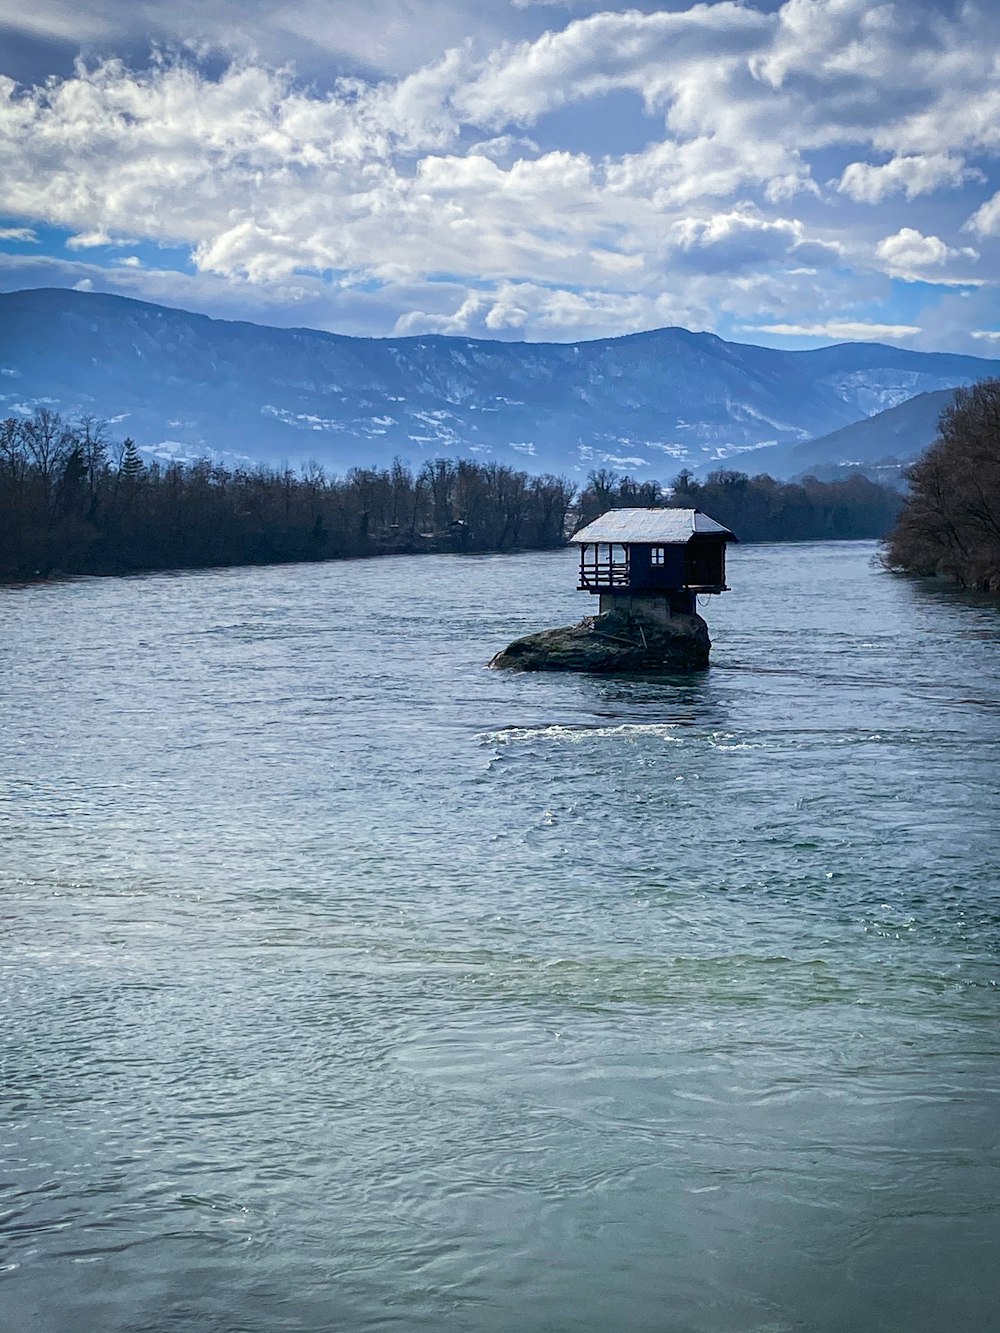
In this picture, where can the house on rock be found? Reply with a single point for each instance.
(653, 562)
(647, 567)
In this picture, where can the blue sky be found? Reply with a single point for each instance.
(787, 173)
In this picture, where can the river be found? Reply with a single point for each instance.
(347, 985)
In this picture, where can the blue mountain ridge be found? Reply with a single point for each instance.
(896, 436)
(183, 385)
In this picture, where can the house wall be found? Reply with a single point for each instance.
(668, 574)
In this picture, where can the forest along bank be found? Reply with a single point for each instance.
(71, 501)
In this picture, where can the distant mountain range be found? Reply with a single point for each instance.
(897, 435)
(650, 403)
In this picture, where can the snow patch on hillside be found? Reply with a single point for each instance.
(302, 420)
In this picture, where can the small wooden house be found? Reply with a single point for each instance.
(653, 561)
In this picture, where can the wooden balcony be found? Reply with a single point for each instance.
(604, 576)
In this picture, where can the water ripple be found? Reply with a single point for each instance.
(348, 984)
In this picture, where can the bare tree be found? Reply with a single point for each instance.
(951, 523)
(48, 442)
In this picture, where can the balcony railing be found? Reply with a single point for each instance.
(604, 574)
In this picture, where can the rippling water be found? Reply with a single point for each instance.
(348, 985)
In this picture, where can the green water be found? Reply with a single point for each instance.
(346, 984)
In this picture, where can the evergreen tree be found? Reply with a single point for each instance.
(131, 464)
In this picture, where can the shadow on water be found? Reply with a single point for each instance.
(680, 700)
(951, 598)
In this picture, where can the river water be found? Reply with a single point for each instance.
(347, 985)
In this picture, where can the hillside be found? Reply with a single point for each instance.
(183, 384)
(900, 433)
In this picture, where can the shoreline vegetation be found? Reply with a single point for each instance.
(950, 524)
(74, 502)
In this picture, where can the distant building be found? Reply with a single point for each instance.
(653, 561)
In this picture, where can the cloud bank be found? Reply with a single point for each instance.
(768, 173)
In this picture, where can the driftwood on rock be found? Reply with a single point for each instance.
(614, 641)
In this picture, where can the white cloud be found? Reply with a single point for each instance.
(744, 239)
(986, 335)
(985, 221)
(521, 308)
(908, 254)
(22, 235)
(88, 240)
(842, 330)
(505, 149)
(912, 176)
(673, 172)
(652, 55)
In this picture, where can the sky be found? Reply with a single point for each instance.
(791, 174)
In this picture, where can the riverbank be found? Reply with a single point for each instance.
(72, 502)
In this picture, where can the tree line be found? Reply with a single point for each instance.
(951, 522)
(71, 501)
(758, 509)
(74, 501)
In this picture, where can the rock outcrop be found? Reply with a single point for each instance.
(614, 641)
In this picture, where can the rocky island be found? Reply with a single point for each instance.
(613, 641)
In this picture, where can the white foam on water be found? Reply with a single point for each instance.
(516, 735)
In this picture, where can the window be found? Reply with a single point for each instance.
(657, 555)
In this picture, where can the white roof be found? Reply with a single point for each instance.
(651, 526)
